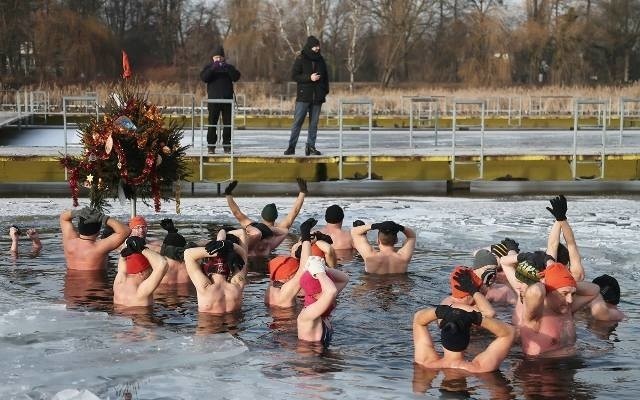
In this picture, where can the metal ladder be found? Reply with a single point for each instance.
(602, 111)
(623, 113)
(432, 114)
(227, 160)
(454, 128)
(357, 102)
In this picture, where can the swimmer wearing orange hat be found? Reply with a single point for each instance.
(467, 288)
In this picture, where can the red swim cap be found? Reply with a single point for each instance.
(282, 268)
(315, 251)
(557, 276)
(137, 221)
(136, 262)
(459, 294)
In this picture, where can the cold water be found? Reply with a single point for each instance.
(59, 330)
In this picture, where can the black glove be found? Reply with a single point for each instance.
(95, 216)
(173, 252)
(511, 244)
(464, 282)
(136, 244)
(302, 185)
(191, 245)
(218, 246)
(322, 236)
(126, 252)
(230, 187)
(305, 229)
(499, 250)
(106, 232)
(233, 238)
(489, 276)
(265, 231)
(167, 225)
(443, 311)
(558, 208)
(357, 223)
(475, 317)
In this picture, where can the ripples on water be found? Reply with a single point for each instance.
(175, 353)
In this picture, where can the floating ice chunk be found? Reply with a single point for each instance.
(74, 394)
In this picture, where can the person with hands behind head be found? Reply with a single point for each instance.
(219, 76)
(321, 287)
(172, 248)
(466, 289)
(266, 235)
(221, 279)
(385, 260)
(140, 271)
(455, 332)
(82, 249)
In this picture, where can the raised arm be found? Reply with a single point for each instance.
(491, 358)
(36, 244)
(297, 206)
(409, 245)
(191, 258)
(326, 298)
(424, 351)
(360, 241)
(554, 240)
(160, 266)
(235, 210)
(575, 261)
(119, 235)
(329, 253)
(121, 275)
(66, 225)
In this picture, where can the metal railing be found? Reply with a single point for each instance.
(76, 106)
(602, 107)
(454, 129)
(624, 113)
(432, 114)
(368, 105)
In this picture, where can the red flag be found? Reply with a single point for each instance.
(126, 68)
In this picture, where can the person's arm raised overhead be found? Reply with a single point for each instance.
(235, 209)
(360, 241)
(159, 265)
(491, 358)
(409, 245)
(297, 205)
(424, 352)
(119, 235)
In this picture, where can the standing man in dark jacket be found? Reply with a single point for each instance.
(310, 73)
(219, 77)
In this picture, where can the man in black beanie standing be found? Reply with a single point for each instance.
(219, 77)
(310, 73)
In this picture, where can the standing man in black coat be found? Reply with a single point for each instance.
(310, 73)
(219, 77)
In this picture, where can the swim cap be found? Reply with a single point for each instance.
(483, 258)
(529, 267)
(311, 287)
(136, 262)
(609, 288)
(282, 268)
(455, 331)
(137, 221)
(315, 251)
(269, 212)
(457, 293)
(334, 214)
(557, 276)
(216, 265)
(174, 239)
(88, 229)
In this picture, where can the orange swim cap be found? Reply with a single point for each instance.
(459, 294)
(315, 251)
(557, 276)
(136, 262)
(137, 221)
(282, 268)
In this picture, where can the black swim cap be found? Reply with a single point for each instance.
(609, 288)
(455, 334)
(334, 214)
(270, 212)
(88, 229)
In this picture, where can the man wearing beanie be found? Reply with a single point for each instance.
(219, 77)
(310, 73)
(455, 333)
(140, 271)
(334, 215)
(266, 235)
(385, 260)
(82, 249)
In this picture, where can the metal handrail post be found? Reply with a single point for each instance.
(370, 142)
(411, 124)
(604, 148)
(64, 123)
(575, 139)
(201, 140)
(453, 141)
(340, 163)
(482, 115)
(621, 119)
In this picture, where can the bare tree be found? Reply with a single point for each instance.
(355, 52)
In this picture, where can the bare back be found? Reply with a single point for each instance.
(176, 273)
(84, 254)
(125, 292)
(341, 239)
(386, 262)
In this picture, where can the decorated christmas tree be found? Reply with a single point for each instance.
(128, 152)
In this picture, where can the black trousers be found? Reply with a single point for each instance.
(215, 109)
